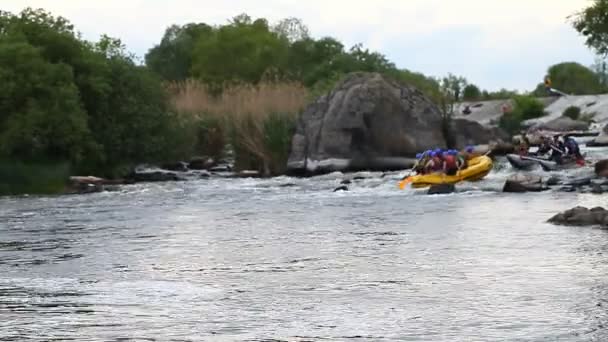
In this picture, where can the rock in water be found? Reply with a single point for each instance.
(201, 163)
(364, 120)
(601, 140)
(154, 176)
(562, 124)
(601, 168)
(178, 167)
(341, 188)
(464, 132)
(441, 189)
(581, 216)
(524, 183)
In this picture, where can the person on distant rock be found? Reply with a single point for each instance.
(573, 150)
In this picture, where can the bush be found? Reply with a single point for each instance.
(32, 178)
(573, 112)
(525, 108)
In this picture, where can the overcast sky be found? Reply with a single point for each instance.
(494, 43)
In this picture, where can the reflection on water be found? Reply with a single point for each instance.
(226, 260)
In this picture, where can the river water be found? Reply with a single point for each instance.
(288, 260)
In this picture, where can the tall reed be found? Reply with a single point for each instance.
(257, 119)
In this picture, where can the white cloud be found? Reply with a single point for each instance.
(516, 32)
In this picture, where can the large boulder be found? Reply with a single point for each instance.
(519, 183)
(465, 132)
(367, 122)
(601, 168)
(561, 124)
(581, 216)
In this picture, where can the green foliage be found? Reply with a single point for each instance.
(452, 86)
(68, 100)
(172, 58)
(573, 112)
(32, 178)
(502, 94)
(573, 78)
(592, 23)
(471, 93)
(525, 108)
(278, 131)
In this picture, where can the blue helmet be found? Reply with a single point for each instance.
(419, 156)
(433, 154)
(470, 149)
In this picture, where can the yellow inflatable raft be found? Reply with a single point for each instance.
(479, 167)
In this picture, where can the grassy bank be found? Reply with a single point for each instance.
(32, 178)
(257, 120)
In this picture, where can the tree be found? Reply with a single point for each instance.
(576, 79)
(592, 23)
(292, 29)
(453, 86)
(172, 58)
(471, 93)
(243, 51)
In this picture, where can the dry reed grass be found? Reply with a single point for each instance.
(257, 117)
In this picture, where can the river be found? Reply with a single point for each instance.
(287, 259)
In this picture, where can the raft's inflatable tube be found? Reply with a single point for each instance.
(521, 163)
(529, 162)
(479, 167)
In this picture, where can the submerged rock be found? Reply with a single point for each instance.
(581, 216)
(601, 168)
(178, 167)
(520, 183)
(154, 176)
(341, 188)
(201, 163)
(346, 182)
(91, 184)
(441, 189)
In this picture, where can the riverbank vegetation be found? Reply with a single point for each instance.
(93, 107)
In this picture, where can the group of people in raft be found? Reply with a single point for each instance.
(448, 162)
(561, 149)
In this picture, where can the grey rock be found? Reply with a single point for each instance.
(346, 182)
(581, 216)
(579, 182)
(366, 118)
(341, 188)
(154, 176)
(601, 168)
(464, 132)
(178, 167)
(520, 183)
(441, 189)
(201, 163)
(553, 180)
(562, 124)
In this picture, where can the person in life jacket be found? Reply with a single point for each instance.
(435, 162)
(461, 160)
(421, 160)
(573, 150)
(450, 165)
(545, 146)
(558, 149)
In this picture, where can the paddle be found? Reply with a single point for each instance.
(408, 178)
